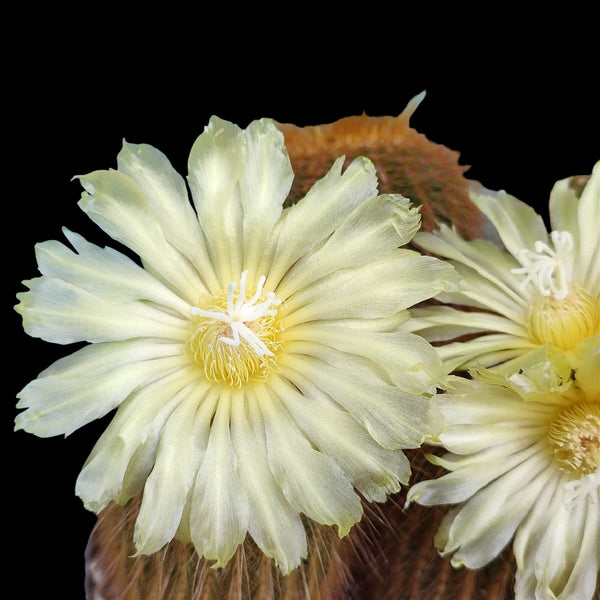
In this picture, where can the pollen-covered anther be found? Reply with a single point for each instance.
(234, 338)
(574, 438)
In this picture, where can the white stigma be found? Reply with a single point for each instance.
(545, 267)
(578, 490)
(243, 312)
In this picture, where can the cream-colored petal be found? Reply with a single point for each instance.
(57, 311)
(588, 215)
(407, 360)
(178, 454)
(517, 223)
(311, 481)
(115, 202)
(377, 290)
(220, 509)
(91, 382)
(264, 185)
(393, 418)
(487, 522)
(167, 198)
(215, 166)
(374, 470)
(274, 524)
(374, 229)
(104, 272)
(315, 217)
(124, 454)
(471, 473)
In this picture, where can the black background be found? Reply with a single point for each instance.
(518, 99)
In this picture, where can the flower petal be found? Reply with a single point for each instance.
(374, 229)
(123, 456)
(311, 481)
(183, 439)
(517, 223)
(57, 311)
(115, 202)
(274, 525)
(313, 219)
(91, 382)
(380, 289)
(374, 470)
(393, 418)
(219, 505)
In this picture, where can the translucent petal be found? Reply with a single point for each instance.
(374, 470)
(115, 202)
(406, 359)
(374, 229)
(315, 217)
(518, 225)
(274, 524)
(378, 290)
(310, 480)
(123, 456)
(104, 272)
(219, 510)
(168, 485)
(57, 311)
(393, 418)
(91, 382)
(167, 199)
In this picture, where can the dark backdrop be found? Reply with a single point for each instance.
(518, 102)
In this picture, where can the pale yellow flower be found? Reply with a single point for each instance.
(541, 290)
(257, 360)
(524, 463)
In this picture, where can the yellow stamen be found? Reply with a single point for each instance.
(564, 322)
(574, 438)
(235, 337)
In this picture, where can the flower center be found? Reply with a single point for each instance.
(234, 336)
(574, 438)
(545, 268)
(564, 322)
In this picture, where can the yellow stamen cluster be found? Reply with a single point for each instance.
(574, 438)
(235, 337)
(564, 322)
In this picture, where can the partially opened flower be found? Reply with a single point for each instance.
(523, 462)
(258, 360)
(540, 290)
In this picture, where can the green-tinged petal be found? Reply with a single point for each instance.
(471, 473)
(484, 525)
(274, 525)
(374, 229)
(178, 454)
(215, 166)
(438, 323)
(378, 290)
(311, 481)
(167, 198)
(91, 382)
(115, 202)
(264, 185)
(374, 470)
(105, 273)
(220, 509)
(484, 257)
(517, 223)
(588, 215)
(123, 456)
(407, 360)
(393, 418)
(313, 219)
(57, 311)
